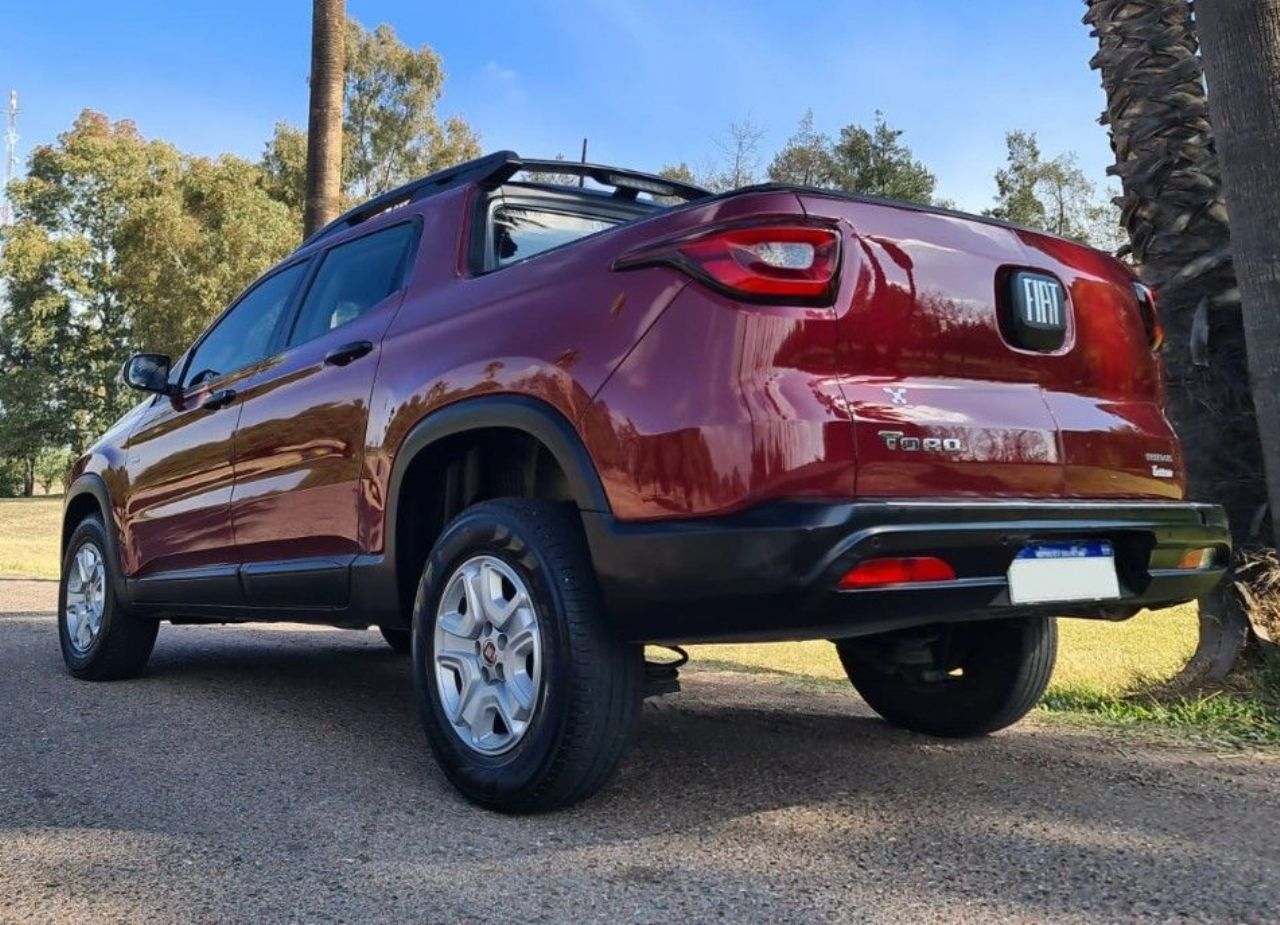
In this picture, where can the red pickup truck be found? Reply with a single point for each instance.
(526, 428)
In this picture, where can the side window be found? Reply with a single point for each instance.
(243, 336)
(353, 278)
(522, 231)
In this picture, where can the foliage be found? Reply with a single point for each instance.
(12, 475)
(806, 159)
(1051, 195)
(119, 244)
(391, 133)
(875, 161)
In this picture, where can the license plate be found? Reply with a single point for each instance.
(1072, 571)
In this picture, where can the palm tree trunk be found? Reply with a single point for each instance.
(1242, 61)
(1172, 207)
(324, 117)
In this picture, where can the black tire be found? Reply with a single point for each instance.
(588, 702)
(958, 680)
(123, 642)
(401, 641)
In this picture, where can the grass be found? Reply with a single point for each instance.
(1113, 674)
(1110, 673)
(29, 536)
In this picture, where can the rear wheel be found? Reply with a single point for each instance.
(101, 640)
(528, 699)
(955, 680)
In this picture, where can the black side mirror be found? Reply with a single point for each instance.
(148, 372)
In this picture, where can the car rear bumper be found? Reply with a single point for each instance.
(773, 572)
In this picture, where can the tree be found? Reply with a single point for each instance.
(876, 162)
(681, 173)
(324, 115)
(1049, 195)
(120, 243)
(1173, 210)
(739, 162)
(1241, 48)
(806, 159)
(391, 133)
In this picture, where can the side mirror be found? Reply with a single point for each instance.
(147, 372)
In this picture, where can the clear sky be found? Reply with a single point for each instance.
(647, 81)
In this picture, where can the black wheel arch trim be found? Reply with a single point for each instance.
(374, 579)
(93, 484)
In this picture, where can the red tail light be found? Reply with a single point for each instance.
(1150, 317)
(782, 262)
(875, 572)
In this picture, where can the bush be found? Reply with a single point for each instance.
(12, 477)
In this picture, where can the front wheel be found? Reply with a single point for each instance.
(528, 700)
(955, 680)
(101, 640)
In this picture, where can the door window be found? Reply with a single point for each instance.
(353, 278)
(243, 335)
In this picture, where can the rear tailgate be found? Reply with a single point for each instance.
(988, 361)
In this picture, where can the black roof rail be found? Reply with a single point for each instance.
(498, 167)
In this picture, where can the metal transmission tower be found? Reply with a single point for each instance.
(10, 158)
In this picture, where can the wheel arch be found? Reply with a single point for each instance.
(526, 447)
(87, 495)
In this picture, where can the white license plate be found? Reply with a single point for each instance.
(1073, 571)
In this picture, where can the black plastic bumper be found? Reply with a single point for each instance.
(773, 572)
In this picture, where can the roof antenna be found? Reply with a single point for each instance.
(582, 177)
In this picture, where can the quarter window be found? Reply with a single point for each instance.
(353, 278)
(243, 335)
(522, 231)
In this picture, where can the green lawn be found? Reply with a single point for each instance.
(29, 536)
(1107, 658)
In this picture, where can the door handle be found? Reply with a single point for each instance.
(347, 353)
(219, 399)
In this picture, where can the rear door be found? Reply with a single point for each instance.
(301, 436)
(982, 360)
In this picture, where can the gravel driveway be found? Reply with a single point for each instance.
(279, 774)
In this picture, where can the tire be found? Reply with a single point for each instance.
(400, 641)
(958, 680)
(121, 643)
(583, 684)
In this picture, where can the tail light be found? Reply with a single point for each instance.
(873, 573)
(1150, 318)
(789, 261)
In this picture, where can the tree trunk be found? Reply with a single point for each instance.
(1173, 209)
(28, 478)
(1241, 44)
(324, 118)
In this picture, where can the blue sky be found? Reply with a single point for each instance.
(648, 81)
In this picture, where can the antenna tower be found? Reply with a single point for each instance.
(10, 158)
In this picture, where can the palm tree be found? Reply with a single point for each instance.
(324, 117)
(1173, 209)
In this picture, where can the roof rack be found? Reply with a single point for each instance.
(494, 169)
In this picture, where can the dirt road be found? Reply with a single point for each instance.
(279, 775)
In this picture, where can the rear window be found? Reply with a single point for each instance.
(522, 231)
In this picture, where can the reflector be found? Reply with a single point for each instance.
(897, 571)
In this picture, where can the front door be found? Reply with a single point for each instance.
(179, 544)
(300, 442)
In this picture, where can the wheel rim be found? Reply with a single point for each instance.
(86, 594)
(488, 655)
